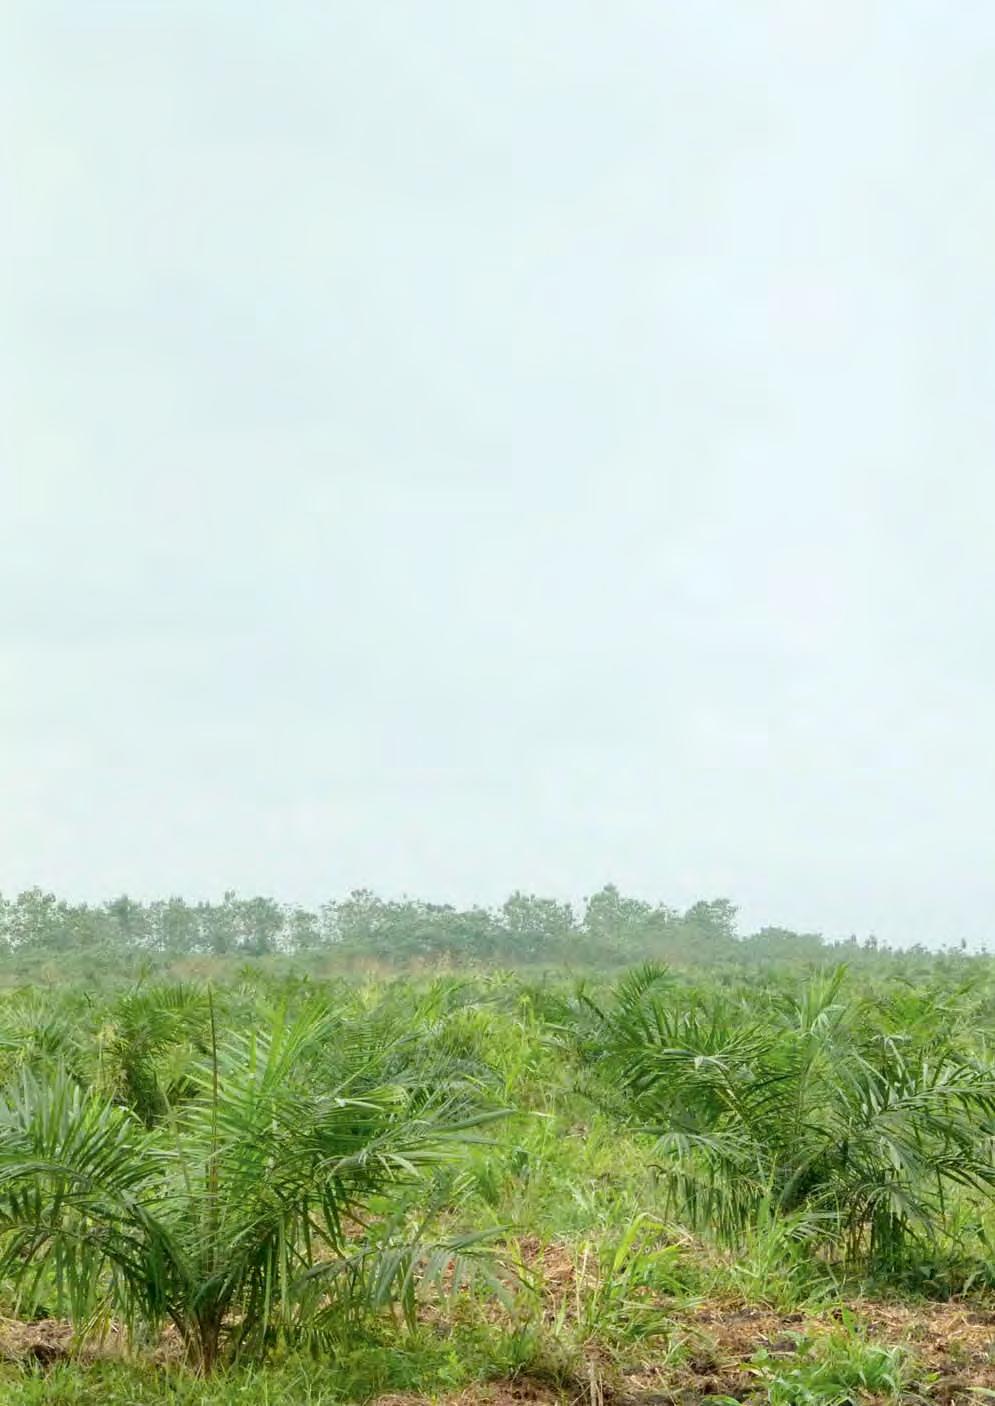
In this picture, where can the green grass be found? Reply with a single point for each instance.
(356, 1376)
(834, 1371)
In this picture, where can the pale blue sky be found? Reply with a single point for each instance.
(449, 447)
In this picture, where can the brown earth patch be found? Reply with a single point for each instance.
(952, 1343)
(50, 1340)
(521, 1391)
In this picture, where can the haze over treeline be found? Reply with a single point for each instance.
(607, 929)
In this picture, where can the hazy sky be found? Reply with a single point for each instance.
(452, 446)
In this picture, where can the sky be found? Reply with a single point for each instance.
(450, 448)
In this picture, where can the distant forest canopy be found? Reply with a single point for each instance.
(608, 929)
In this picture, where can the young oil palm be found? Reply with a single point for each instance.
(804, 1108)
(238, 1217)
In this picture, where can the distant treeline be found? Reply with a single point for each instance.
(608, 929)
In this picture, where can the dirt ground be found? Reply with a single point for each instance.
(953, 1345)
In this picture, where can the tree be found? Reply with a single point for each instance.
(537, 927)
(613, 922)
(714, 920)
(130, 919)
(258, 923)
(176, 926)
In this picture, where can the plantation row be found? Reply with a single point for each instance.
(276, 1162)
